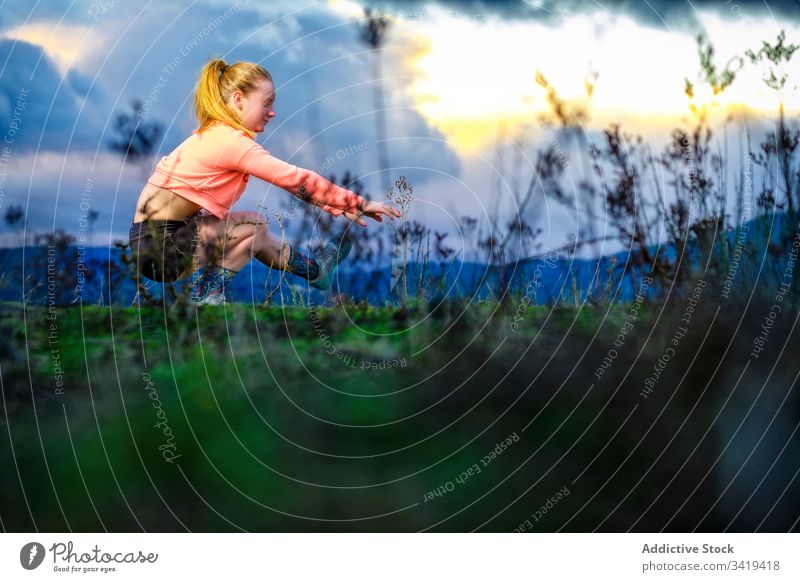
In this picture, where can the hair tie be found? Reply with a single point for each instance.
(222, 71)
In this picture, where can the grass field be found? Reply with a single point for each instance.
(352, 418)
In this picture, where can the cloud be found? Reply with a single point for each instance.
(16, 12)
(658, 13)
(34, 97)
(79, 83)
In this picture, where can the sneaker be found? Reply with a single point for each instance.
(328, 258)
(212, 299)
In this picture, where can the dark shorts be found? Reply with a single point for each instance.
(164, 249)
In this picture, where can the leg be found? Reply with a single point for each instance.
(225, 242)
(244, 236)
(225, 246)
(234, 242)
(278, 254)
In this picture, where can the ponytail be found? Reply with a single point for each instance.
(217, 82)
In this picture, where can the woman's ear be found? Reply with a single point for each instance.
(236, 99)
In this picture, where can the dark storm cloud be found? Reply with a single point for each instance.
(677, 14)
(36, 102)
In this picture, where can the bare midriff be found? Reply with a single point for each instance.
(157, 203)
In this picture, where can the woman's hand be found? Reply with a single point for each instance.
(373, 210)
(354, 217)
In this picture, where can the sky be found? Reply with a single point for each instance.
(458, 78)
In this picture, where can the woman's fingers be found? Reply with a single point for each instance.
(375, 211)
(352, 217)
(390, 211)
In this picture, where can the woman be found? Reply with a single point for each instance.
(183, 221)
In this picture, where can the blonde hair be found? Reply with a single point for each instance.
(217, 83)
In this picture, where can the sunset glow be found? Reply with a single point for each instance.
(472, 74)
(62, 43)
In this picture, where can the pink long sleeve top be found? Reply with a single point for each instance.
(212, 168)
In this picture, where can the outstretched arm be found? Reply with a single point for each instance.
(251, 158)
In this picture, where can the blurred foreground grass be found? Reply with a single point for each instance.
(349, 418)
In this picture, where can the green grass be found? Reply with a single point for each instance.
(277, 434)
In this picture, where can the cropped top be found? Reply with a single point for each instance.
(212, 168)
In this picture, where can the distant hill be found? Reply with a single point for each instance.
(543, 279)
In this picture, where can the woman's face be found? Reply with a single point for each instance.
(255, 107)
